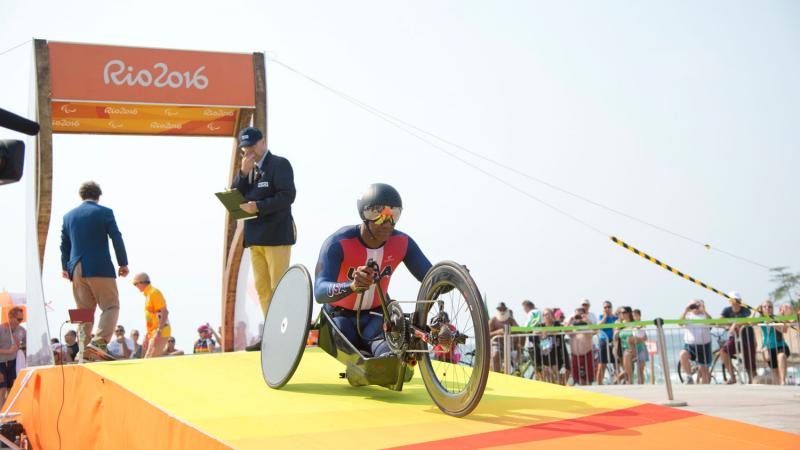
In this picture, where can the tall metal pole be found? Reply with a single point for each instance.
(662, 349)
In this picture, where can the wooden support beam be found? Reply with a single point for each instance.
(44, 145)
(229, 284)
(260, 118)
(234, 232)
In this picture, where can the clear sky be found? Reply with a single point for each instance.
(685, 114)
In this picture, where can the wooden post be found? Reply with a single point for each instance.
(260, 118)
(234, 232)
(229, 284)
(43, 171)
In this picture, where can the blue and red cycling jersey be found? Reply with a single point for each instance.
(344, 251)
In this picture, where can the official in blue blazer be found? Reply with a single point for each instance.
(267, 183)
(86, 260)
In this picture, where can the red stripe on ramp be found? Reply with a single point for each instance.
(620, 419)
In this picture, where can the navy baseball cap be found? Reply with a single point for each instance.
(249, 136)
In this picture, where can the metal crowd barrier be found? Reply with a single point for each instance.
(651, 354)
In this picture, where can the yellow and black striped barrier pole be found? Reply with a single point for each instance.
(670, 268)
(681, 274)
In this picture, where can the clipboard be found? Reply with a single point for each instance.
(231, 200)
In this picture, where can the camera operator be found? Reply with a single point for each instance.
(696, 343)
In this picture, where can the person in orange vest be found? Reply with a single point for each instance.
(156, 316)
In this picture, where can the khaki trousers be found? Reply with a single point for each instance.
(269, 263)
(91, 292)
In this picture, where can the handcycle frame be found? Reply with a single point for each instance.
(408, 336)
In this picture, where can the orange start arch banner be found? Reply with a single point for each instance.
(118, 90)
(127, 90)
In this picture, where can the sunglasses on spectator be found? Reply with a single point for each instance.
(381, 213)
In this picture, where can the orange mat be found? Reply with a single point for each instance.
(95, 413)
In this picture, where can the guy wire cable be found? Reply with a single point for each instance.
(400, 124)
(387, 119)
(15, 47)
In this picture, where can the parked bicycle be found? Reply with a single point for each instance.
(720, 339)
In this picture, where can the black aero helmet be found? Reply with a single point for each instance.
(378, 196)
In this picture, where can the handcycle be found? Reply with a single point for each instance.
(450, 318)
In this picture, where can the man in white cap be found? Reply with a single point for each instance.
(590, 317)
(739, 332)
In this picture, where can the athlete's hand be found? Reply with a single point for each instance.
(363, 278)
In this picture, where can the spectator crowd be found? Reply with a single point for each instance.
(128, 347)
(619, 354)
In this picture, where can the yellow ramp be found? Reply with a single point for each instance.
(224, 396)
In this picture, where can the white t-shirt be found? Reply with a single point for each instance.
(697, 334)
(115, 348)
(591, 317)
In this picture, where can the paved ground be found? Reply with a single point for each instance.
(776, 407)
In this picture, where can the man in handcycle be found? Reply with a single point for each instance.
(345, 282)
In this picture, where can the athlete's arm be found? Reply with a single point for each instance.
(415, 260)
(326, 288)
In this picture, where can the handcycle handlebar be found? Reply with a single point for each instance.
(371, 264)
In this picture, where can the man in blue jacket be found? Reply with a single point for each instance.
(267, 183)
(86, 260)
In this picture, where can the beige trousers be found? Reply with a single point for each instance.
(92, 292)
(269, 263)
